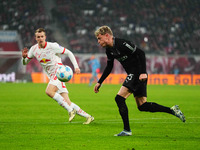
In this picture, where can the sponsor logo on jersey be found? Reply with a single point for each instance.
(43, 60)
(122, 58)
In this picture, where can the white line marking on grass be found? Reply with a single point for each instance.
(136, 120)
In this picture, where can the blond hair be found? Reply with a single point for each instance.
(103, 30)
(39, 30)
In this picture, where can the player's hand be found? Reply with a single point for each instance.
(96, 87)
(77, 71)
(143, 77)
(25, 52)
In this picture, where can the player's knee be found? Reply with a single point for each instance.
(142, 107)
(48, 93)
(118, 99)
(121, 104)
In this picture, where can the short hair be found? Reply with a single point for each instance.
(103, 30)
(39, 30)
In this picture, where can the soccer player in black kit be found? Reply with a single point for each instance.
(134, 62)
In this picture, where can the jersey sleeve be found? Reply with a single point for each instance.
(71, 57)
(107, 70)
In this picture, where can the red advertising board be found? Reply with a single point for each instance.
(153, 79)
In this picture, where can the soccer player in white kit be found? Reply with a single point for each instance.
(48, 55)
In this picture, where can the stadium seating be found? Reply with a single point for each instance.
(171, 27)
(25, 17)
(158, 27)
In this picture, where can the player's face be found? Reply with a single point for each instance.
(103, 40)
(40, 38)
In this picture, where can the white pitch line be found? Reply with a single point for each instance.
(151, 119)
(137, 120)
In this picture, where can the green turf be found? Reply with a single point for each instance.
(31, 120)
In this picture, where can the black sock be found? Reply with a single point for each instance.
(154, 107)
(123, 110)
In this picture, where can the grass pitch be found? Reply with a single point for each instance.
(31, 120)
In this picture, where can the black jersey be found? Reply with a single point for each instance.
(131, 58)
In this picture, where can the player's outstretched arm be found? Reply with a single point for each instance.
(96, 87)
(72, 58)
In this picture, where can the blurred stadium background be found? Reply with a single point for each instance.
(168, 31)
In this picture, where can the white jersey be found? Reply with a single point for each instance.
(49, 57)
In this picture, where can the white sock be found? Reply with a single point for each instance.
(79, 111)
(62, 102)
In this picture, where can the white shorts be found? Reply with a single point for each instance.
(61, 85)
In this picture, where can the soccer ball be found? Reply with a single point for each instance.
(64, 73)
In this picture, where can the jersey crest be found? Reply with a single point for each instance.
(43, 60)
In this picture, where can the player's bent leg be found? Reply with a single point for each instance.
(51, 91)
(62, 102)
(74, 111)
(143, 105)
(154, 107)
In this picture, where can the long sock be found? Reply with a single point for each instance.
(79, 111)
(62, 102)
(123, 110)
(154, 107)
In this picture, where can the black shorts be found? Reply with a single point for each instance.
(139, 88)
